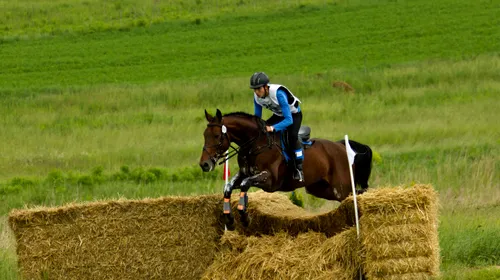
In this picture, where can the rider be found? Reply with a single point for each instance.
(287, 115)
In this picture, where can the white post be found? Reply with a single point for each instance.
(350, 159)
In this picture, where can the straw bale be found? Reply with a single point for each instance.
(154, 238)
(396, 205)
(399, 232)
(406, 276)
(398, 266)
(182, 238)
(308, 255)
(396, 198)
(343, 248)
(399, 250)
(272, 213)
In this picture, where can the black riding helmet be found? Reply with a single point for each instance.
(258, 79)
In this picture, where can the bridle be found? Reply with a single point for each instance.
(220, 153)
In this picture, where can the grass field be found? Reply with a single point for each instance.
(107, 103)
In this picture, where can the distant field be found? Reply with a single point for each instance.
(414, 115)
(300, 39)
(28, 18)
(107, 103)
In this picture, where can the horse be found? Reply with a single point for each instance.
(262, 161)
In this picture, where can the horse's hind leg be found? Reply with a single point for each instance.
(321, 189)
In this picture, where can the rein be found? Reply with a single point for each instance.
(236, 151)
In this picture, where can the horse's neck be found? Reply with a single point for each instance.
(243, 131)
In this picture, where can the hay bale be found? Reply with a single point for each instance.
(152, 238)
(285, 241)
(182, 238)
(308, 255)
(398, 239)
(174, 237)
(272, 213)
(399, 233)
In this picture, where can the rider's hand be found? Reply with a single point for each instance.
(269, 128)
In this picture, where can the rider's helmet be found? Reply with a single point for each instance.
(258, 79)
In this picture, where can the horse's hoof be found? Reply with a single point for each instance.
(229, 222)
(230, 227)
(246, 222)
(245, 219)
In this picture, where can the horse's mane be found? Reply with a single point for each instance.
(240, 114)
(260, 122)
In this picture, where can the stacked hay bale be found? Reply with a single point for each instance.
(182, 238)
(172, 237)
(398, 240)
(285, 241)
(308, 255)
(272, 213)
(167, 238)
(399, 233)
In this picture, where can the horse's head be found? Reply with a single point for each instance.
(216, 141)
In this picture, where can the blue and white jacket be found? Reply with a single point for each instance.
(277, 102)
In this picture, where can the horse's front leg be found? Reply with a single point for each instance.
(260, 180)
(228, 189)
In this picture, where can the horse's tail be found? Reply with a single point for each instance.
(362, 162)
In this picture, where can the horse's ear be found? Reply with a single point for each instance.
(218, 115)
(208, 116)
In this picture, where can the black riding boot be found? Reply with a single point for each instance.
(299, 174)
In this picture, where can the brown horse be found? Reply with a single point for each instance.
(261, 161)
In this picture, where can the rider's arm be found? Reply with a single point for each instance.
(285, 109)
(257, 109)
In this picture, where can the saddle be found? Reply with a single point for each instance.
(304, 136)
(304, 139)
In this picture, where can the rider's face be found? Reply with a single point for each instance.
(260, 92)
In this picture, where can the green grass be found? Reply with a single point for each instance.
(465, 273)
(8, 258)
(470, 236)
(421, 121)
(302, 39)
(29, 18)
(87, 92)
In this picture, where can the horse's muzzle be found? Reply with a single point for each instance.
(207, 165)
